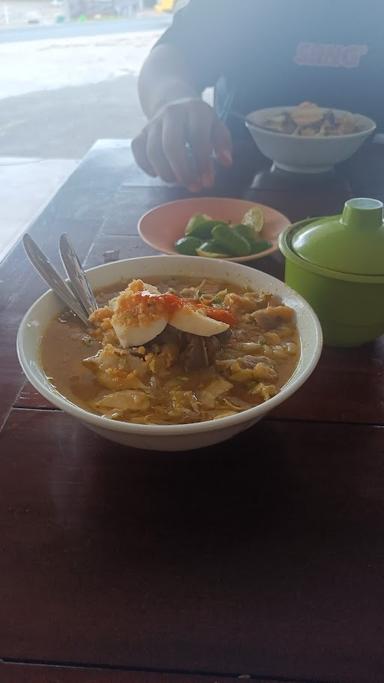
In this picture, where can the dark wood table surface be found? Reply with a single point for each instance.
(262, 557)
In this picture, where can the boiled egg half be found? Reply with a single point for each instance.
(140, 315)
(195, 321)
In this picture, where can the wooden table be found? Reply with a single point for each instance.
(262, 557)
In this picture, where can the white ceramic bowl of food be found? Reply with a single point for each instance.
(170, 437)
(299, 154)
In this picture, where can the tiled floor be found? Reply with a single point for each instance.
(26, 186)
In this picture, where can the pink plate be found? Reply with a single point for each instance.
(165, 224)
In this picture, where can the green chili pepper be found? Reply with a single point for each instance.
(200, 225)
(187, 245)
(249, 234)
(230, 241)
(263, 245)
(211, 248)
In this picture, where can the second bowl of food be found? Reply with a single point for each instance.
(307, 138)
(213, 227)
(182, 353)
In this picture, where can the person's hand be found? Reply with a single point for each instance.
(180, 142)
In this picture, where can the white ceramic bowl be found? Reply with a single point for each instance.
(305, 154)
(176, 437)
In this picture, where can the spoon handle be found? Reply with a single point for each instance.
(52, 277)
(77, 276)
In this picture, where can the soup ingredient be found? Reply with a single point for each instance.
(188, 245)
(230, 241)
(137, 314)
(177, 377)
(116, 369)
(125, 400)
(309, 120)
(196, 321)
(217, 387)
(141, 312)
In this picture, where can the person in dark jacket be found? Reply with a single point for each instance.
(256, 53)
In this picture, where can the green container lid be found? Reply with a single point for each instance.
(350, 243)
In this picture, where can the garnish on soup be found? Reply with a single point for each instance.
(309, 120)
(173, 352)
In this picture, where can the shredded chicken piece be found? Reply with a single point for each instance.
(260, 371)
(217, 387)
(250, 301)
(239, 304)
(192, 292)
(243, 362)
(160, 361)
(252, 361)
(265, 391)
(124, 400)
(273, 316)
(116, 368)
(236, 403)
(264, 371)
(183, 404)
(272, 338)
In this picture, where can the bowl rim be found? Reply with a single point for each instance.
(98, 421)
(289, 136)
(234, 259)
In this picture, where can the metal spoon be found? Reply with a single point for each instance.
(77, 277)
(53, 279)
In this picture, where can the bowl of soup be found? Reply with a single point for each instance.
(307, 138)
(182, 352)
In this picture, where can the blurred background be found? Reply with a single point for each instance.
(68, 76)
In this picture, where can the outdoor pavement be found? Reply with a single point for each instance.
(57, 97)
(65, 123)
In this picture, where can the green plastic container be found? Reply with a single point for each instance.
(337, 264)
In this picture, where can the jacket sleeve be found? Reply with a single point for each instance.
(201, 31)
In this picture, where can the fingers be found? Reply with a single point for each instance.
(178, 145)
(179, 157)
(149, 154)
(222, 143)
(139, 150)
(199, 134)
(156, 153)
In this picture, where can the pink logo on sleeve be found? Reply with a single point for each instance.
(329, 55)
